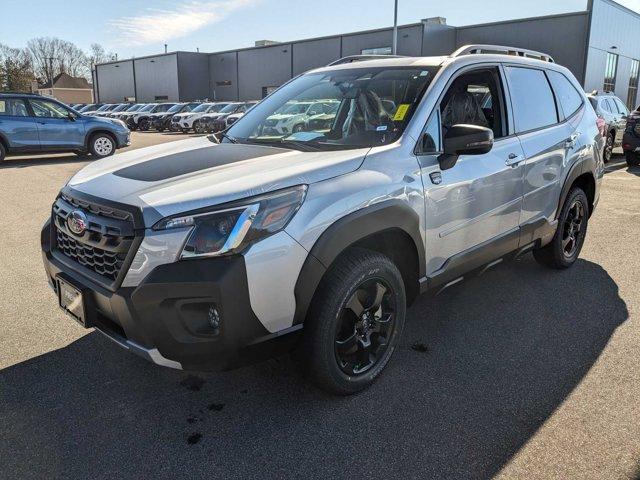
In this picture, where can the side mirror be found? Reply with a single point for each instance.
(464, 140)
(71, 117)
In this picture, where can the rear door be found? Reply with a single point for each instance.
(56, 128)
(621, 118)
(544, 141)
(17, 125)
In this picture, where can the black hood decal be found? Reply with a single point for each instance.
(191, 161)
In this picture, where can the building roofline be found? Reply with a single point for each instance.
(527, 19)
(124, 60)
(622, 7)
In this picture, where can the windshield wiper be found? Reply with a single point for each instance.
(298, 145)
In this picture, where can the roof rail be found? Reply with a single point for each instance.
(361, 58)
(502, 50)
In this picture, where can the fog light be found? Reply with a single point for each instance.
(213, 317)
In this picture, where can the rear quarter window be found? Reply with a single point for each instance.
(533, 103)
(568, 97)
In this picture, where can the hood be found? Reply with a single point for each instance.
(106, 120)
(174, 178)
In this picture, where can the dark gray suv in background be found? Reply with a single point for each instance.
(610, 108)
(35, 124)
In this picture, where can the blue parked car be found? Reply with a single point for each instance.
(32, 124)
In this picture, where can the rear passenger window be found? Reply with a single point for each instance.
(533, 103)
(12, 107)
(566, 94)
(605, 106)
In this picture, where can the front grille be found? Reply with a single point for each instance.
(104, 246)
(107, 264)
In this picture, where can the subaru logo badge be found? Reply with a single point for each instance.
(77, 222)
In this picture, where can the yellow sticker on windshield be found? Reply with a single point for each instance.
(401, 112)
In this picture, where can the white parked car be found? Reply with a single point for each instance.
(186, 120)
(293, 116)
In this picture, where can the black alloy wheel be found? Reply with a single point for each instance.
(608, 148)
(366, 322)
(572, 228)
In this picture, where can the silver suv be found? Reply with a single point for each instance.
(210, 253)
(613, 114)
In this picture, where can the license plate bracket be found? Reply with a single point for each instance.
(72, 300)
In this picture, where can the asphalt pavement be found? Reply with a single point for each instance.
(520, 373)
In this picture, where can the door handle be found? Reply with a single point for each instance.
(513, 160)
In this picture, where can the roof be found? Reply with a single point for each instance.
(64, 80)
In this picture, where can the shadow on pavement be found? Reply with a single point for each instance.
(51, 159)
(502, 352)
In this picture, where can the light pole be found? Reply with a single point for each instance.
(394, 49)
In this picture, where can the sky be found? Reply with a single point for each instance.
(137, 27)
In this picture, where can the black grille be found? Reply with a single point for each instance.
(107, 264)
(105, 244)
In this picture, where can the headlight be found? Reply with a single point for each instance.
(117, 121)
(235, 226)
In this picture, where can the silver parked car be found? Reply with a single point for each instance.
(205, 255)
(614, 114)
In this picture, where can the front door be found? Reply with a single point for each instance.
(58, 127)
(475, 205)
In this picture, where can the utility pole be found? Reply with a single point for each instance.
(394, 49)
(165, 48)
(51, 71)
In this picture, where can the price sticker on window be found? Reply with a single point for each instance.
(401, 112)
(2, 106)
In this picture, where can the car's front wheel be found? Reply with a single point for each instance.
(197, 127)
(633, 159)
(102, 145)
(143, 124)
(563, 250)
(355, 322)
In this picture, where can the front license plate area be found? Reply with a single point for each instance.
(72, 302)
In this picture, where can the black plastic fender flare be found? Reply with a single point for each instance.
(358, 225)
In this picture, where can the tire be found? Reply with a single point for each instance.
(143, 124)
(633, 159)
(334, 338)
(160, 129)
(564, 249)
(184, 130)
(3, 152)
(102, 145)
(197, 127)
(608, 148)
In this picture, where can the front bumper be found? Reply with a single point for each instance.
(165, 318)
(123, 139)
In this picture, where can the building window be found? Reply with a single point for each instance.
(223, 83)
(376, 51)
(610, 72)
(633, 84)
(162, 97)
(268, 90)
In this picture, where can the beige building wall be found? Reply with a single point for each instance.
(69, 95)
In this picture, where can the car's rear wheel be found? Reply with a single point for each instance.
(102, 145)
(608, 148)
(355, 322)
(633, 159)
(3, 152)
(563, 250)
(143, 124)
(197, 127)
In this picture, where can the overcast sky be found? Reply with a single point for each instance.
(137, 27)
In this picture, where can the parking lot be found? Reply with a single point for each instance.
(520, 373)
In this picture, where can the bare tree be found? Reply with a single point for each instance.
(16, 69)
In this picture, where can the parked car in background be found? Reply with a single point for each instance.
(614, 113)
(104, 108)
(631, 139)
(224, 121)
(228, 253)
(91, 107)
(119, 108)
(216, 122)
(162, 121)
(122, 115)
(141, 120)
(293, 116)
(30, 123)
(323, 121)
(188, 120)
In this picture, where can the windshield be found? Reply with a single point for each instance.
(201, 108)
(338, 109)
(87, 108)
(104, 107)
(135, 107)
(121, 107)
(148, 107)
(176, 108)
(229, 108)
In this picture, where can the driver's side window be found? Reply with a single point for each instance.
(47, 109)
(474, 98)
